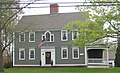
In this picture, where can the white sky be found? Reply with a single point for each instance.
(35, 11)
(39, 11)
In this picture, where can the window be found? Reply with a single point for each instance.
(22, 37)
(52, 37)
(31, 36)
(31, 54)
(21, 54)
(64, 36)
(75, 53)
(74, 35)
(64, 53)
(48, 37)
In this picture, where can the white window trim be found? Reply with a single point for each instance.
(72, 34)
(34, 54)
(53, 37)
(20, 37)
(29, 36)
(62, 35)
(20, 54)
(73, 53)
(50, 36)
(62, 52)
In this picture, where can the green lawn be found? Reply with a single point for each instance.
(62, 70)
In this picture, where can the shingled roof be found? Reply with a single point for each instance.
(47, 22)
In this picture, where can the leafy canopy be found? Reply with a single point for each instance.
(101, 19)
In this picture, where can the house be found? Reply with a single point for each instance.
(42, 40)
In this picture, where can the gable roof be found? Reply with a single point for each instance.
(47, 22)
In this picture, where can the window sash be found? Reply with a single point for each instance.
(31, 36)
(31, 54)
(50, 38)
(74, 35)
(21, 54)
(75, 53)
(64, 36)
(22, 37)
(64, 53)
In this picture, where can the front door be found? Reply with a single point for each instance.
(48, 57)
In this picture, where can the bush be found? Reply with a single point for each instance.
(8, 65)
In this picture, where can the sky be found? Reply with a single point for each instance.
(38, 11)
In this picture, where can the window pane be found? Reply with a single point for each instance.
(32, 54)
(48, 36)
(22, 54)
(32, 37)
(75, 51)
(22, 37)
(64, 53)
(74, 34)
(64, 33)
(52, 38)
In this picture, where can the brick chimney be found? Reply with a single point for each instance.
(54, 8)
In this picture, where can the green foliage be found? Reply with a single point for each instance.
(89, 31)
(8, 65)
(101, 13)
(96, 17)
(117, 59)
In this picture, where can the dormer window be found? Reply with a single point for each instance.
(48, 36)
(64, 36)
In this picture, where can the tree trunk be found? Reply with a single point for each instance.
(1, 53)
(1, 60)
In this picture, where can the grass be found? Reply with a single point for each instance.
(62, 70)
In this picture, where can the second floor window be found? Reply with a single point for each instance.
(64, 36)
(48, 36)
(22, 37)
(74, 35)
(31, 36)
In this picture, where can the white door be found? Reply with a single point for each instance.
(47, 55)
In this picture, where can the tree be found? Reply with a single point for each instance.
(98, 14)
(117, 59)
(6, 26)
(9, 11)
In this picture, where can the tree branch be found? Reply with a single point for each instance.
(114, 28)
(7, 21)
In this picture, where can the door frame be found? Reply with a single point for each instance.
(43, 51)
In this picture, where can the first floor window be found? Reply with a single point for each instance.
(31, 54)
(21, 54)
(75, 53)
(64, 53)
